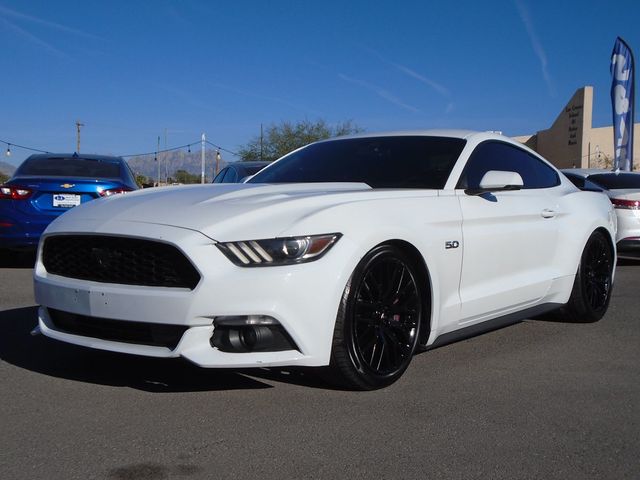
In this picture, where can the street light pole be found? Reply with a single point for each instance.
(166, 159)
(204, 139)
(158, 160)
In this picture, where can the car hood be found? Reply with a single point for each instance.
(220, 211)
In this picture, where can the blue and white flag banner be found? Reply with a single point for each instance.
(622, 102)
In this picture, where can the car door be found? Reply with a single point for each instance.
(510, 238)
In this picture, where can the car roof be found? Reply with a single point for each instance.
(248, 164)
(471, 136)
(85, 156)
(454, 133)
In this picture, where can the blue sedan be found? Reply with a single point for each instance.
(47, 185)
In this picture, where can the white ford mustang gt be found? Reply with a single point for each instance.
(350, 253)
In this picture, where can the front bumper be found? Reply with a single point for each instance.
(14, 235)
(628, 237)
(629, 247)
(19, 230)
(302, 298)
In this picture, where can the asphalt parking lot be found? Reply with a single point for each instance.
(536, 400)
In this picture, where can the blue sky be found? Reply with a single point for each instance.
(132, 70)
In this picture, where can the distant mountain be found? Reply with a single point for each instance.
(170, 162)
(6, 168)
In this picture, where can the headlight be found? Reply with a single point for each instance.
(278, 251)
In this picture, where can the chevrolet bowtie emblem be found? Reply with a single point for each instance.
(67, 185)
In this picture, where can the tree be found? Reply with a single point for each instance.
(278, 140)
(182, 176)
(602, 160)
(3, 177)
(141, 180)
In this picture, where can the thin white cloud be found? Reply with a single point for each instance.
(268, 98)
(32, 38)
(535, 44)
(427, 81)
(185, 97)
(176, 15)
(7, 12)
(439, 88)
(381, 92)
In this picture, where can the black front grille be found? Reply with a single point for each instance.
(141, 333)
(111, 259)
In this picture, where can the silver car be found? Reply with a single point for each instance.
(623, 189)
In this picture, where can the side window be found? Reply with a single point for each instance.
(495, 155)
(220, 175)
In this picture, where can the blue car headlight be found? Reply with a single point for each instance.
(278, 251)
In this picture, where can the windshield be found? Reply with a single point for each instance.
(380, 162)
(616, 181)
(69, 167)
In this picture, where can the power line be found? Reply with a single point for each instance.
(220, 148)
(188, 145)
(11, 144)
(154, 152)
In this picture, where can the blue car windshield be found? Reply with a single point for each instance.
(380, 162)
(69, 167)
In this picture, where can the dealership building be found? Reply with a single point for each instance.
(572, 142)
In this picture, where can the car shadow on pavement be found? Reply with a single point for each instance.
(57, 359)
(628, 262)
(17, 259)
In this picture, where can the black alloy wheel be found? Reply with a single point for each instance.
(378, 324)
(597, 266)
(593, 284)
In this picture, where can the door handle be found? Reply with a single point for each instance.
(548, 213)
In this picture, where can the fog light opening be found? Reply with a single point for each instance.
(251, 333)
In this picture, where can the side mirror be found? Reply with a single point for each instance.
(497, 181)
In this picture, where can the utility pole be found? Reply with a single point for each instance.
(166, 159)
(218, 158)
(260, 142)
(158, 160)
(78, 125)
(204, 139)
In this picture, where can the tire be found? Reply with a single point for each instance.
(378, 323)
(593, 284)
